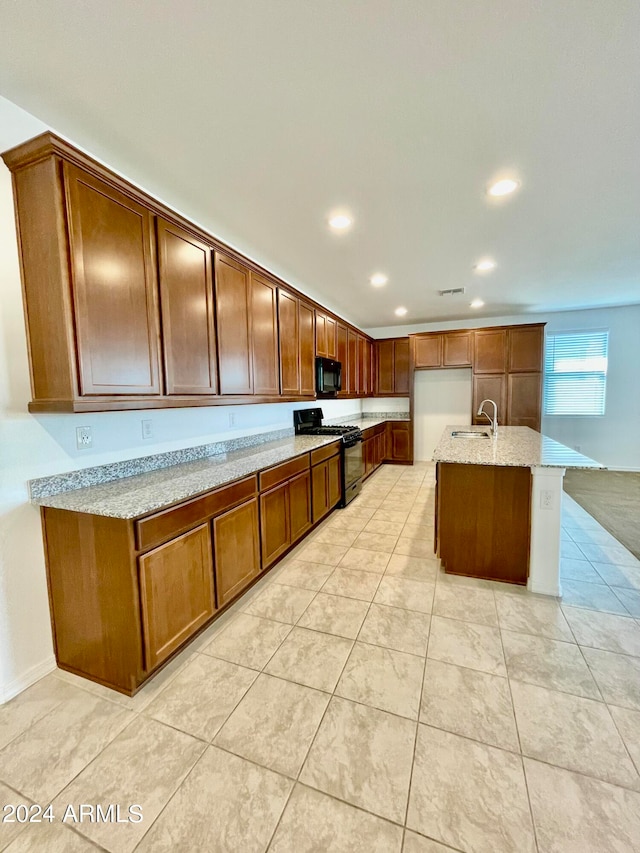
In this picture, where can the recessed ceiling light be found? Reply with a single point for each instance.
(378, 279)
(503, 187)
(485, 265)
(401, 311)
(477, 303)
(340, 222)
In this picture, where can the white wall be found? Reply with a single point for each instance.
(385, 404)
(614, 439)
(40, 445)
(441, 397)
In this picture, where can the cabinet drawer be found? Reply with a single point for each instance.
(279, 473)
(170, 522)
(323, 453)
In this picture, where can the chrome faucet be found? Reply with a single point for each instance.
(494, 422)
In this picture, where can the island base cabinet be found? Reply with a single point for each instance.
(236, 550)
(176, 590)
(483, 521)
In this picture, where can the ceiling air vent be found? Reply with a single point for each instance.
(452, 291)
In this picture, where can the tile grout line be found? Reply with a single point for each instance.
(517, 728)
(415, 737)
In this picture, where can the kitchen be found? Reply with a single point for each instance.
(44, 444)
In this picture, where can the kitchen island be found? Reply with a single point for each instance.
(499, 503)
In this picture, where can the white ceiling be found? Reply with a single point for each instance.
(258, 117)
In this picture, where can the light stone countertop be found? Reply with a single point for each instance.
(519, 447)
(130, 497)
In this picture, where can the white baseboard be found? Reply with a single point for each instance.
(622, 468)
(33, 674)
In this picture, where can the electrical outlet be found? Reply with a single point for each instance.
(546, 499)
(147, 428)
(232, 419)
(84, 438)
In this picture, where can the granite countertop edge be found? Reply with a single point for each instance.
(130, 497)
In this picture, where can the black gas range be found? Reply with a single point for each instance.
(309, 422)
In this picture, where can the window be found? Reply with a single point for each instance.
(575, 373)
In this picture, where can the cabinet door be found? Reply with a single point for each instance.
(489, 388)
(331, 333)
(275, 528)
(335, 480)
(352, 362)
(524, 400)
(456, 349)
(401, 366)
(525, 349)
(176, 592)
(385, 367)
(490, 351)
(343, 355)
(427, 351)
(236, 550)
(300, 505)
(264, 336)
(361, 387)
(186, 291)
(233, 315)
(367, 455)
(321, 335)
(289, 343)
(307, 349)
(320, 490)
(400, 446)
(114, 288)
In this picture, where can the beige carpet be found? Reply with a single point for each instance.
(613, 499)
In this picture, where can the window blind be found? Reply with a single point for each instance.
(575, 373)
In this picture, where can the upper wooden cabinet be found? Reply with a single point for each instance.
(490, 351)
(442, 349)
(525, 348)
(306, 325)
(129, 305)
(427, 351)
(233, 308)
(113, 280)
(342, 351)
(326, 335)
(352, 362)
(264, 336)
(392, 361)
(186, 291)
(402, 376)
(297, 345)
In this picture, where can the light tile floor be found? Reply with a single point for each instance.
(358, 699)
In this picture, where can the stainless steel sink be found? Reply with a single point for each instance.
(461, 433)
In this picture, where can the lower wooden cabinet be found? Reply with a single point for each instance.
(236, 550)
(126, 594)
(285, 509)
(176, 592)
(373, 448)
(399, 447)
(325, 486)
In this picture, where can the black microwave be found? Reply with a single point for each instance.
(328, 377)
